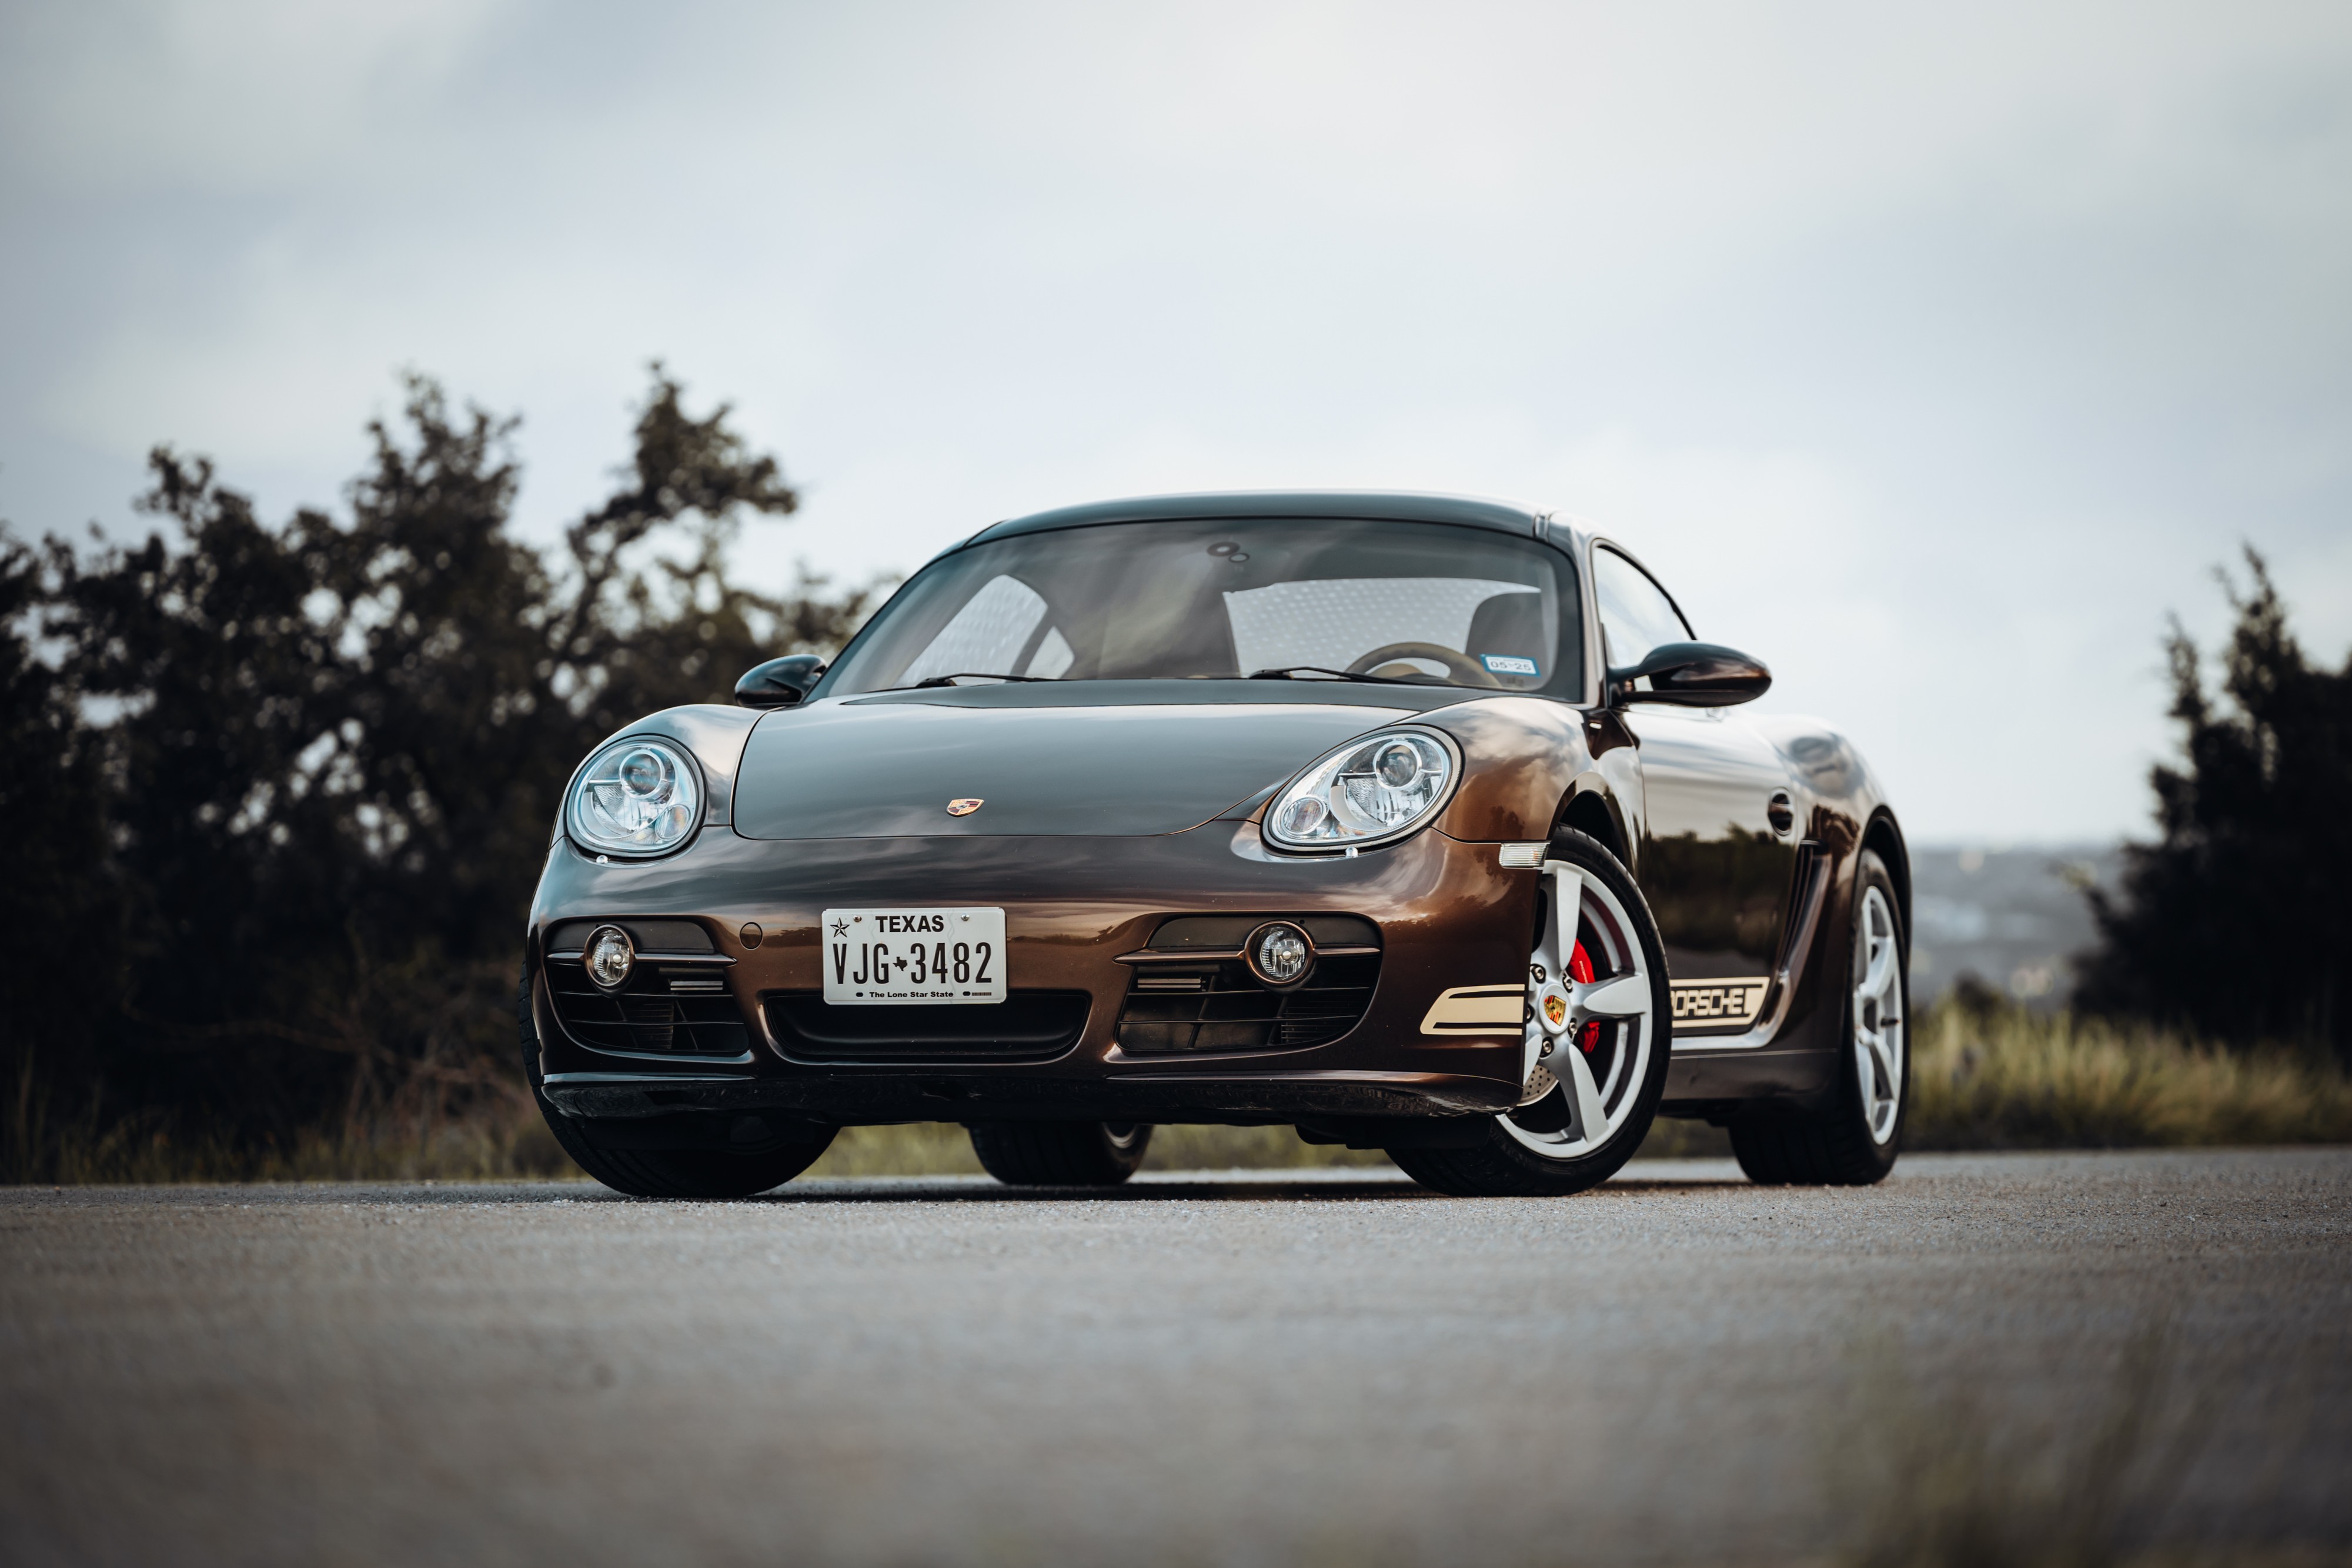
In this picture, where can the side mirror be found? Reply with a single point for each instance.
(780, 682)
(1691, 674)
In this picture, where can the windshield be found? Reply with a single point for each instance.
(1429, 604)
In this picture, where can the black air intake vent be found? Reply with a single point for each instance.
(1027, 1026)
(1191, 994)
(666, 1009)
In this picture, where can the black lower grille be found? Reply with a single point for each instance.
(1027, 1026)
(1216, 1005)
(679, 1009)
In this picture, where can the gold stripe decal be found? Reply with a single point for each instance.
(1478, 1009)
(1712, 1004)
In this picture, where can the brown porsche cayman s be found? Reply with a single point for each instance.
(1415, 822)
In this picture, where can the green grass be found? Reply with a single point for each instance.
(2009, 1079)
(45, 1139)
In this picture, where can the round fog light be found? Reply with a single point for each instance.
(610, 955)
(1279, 954)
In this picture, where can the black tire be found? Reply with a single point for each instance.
(662, 1173)
(1060, 1154)
(1831, 1145)
(1502, 1166)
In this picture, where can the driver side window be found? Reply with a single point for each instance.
(1635, 613)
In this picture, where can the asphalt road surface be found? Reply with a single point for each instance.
(1251, 1368)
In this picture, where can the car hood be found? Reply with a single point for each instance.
(1108, 760)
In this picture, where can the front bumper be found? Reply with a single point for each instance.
(1448, 913)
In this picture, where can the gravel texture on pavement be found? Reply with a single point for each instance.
(1268, 1367)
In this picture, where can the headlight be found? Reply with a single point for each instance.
(635, 798)
(1367, 792)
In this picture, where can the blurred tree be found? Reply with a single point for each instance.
(288, 790)
(59, 901)
(2235, 921)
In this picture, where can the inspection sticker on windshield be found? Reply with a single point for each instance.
(913, 956)
(1507, 663)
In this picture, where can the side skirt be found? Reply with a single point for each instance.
(1714, 1083)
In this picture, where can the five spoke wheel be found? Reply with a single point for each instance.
(1591, 1027)
(1878, 1053)
(1592, 1057)
(1850, 1131)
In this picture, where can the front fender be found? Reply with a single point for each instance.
(1522, 758)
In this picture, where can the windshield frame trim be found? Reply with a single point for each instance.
(1439, 508)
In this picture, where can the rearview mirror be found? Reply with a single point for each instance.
(780, 682)
(1691, 674)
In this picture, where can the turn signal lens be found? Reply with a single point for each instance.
(1367, 792)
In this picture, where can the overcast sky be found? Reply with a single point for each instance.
(1933, 353)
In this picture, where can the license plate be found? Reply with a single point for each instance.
(935, 956)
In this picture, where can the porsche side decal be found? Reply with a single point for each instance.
(1478, 1009)
(1718, 1003)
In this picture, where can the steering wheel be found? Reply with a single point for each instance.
(1459, 666)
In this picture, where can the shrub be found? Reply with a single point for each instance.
(285, 789)
(2233, 924)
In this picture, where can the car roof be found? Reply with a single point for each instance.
(1402, 505)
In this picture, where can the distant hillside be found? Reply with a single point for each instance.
(2014, 918)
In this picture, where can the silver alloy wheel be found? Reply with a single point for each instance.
(1569, 1108)
(1878, 1055)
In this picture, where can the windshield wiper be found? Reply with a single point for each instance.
(950, 679)
(1286, 671)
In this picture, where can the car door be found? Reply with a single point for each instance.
(1716, 874)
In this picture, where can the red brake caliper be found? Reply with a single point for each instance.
(1580, 969)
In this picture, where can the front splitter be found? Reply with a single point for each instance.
(947, 1096)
